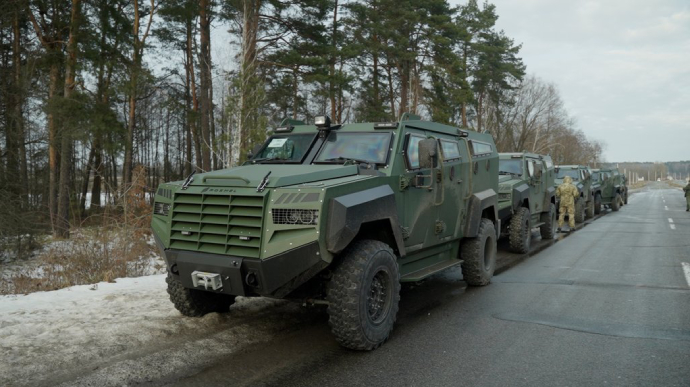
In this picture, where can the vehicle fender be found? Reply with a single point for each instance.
(479, 202)
(520, 193)
(347, 213)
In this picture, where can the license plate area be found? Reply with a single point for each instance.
(207, 280)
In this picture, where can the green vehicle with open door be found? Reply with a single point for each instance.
(337, 215)
(526, 198)
(585, 205)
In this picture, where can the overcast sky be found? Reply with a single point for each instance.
(622, 67)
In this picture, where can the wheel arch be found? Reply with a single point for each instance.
(350, 214)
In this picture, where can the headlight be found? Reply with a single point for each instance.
(295, 216)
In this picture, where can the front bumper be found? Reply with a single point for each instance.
(276, 277)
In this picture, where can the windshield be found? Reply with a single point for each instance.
(285, 147)
(513, 166)
(574, 173)
(369, 147)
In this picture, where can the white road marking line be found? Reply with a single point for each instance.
(686, 270)
(670, 220)
(673, 226)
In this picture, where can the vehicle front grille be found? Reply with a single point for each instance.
(219, 224)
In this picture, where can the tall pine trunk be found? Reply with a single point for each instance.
(66, 148)
(205, 83)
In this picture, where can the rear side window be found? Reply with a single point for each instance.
(450, 150)
(481, 148)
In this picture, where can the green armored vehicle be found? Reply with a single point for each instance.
(582, 179)
(526, 198)
(337, 215)
(614, 191)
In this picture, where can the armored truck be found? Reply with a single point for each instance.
(526, 198)
(337, 215)
(582, 179)
(614, 191)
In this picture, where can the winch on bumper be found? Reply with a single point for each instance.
(272, 277)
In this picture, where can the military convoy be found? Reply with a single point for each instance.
(526, 198)
(614, 191)
(341, 215)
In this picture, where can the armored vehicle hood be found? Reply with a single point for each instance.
(280, 175)
(507, 182)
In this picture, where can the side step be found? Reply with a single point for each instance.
(427, 271)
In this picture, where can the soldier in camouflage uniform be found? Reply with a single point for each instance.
(687, 196)
(567, 193)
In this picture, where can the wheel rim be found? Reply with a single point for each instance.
(379, 297)
(488, 253)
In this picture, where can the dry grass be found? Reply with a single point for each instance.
(637, 184)
(116, 248)
(91, 256)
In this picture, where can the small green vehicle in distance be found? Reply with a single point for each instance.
(582, 179)
(526, 198)
(334, 214)
(614, 190)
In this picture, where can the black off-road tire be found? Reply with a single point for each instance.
(597, 204)
(548, 229)
(616, 203)
(579, 210)
(589, 210)
(196, 303)
(479, 255)
(520, 231)
(625, 197)
(363, 295)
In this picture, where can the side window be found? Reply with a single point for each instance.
(412, 151)
(481, 148)
(450, 150)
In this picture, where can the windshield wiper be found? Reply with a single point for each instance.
(509, 173)
(268, 159)
(346, 159)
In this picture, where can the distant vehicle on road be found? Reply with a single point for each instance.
(614, 190)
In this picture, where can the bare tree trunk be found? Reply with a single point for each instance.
(248, 109)
(19, 111)
(331, 67)
(295, 90)
(205, 78)
(85, 182)
(66, 157)
(137, 53)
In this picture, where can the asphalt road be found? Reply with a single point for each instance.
(606, 305)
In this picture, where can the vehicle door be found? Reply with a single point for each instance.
(453, 183)
(418, 212)
(537, 181)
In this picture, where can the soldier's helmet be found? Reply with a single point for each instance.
(568, 179)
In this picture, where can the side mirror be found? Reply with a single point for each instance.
(428, 153)
(537, 171)
(254, 151)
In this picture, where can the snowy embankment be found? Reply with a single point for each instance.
(123, 333)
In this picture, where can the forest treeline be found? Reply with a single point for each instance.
(91, 89)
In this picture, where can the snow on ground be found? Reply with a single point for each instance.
(122, 333)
